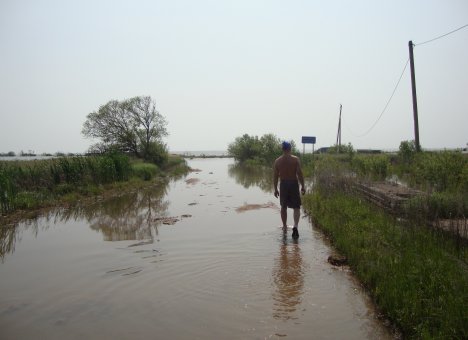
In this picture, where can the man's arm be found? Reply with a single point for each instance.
(275, 179)
(300, 176)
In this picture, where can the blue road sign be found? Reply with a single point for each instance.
(308, 140)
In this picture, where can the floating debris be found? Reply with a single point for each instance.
(185, 215)
(193, 203)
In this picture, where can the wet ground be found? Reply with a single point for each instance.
(203, 257)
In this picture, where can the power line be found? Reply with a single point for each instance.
(386, 105)
(441, 36)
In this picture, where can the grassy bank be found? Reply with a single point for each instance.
(26, 185)
(417, 277)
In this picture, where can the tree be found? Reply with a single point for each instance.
(245, 147)
(263, 150)
(132, 125)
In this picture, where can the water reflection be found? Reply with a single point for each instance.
(127, 217)
(10, 234)
(248, 176)
(130, 216)
(8, 239)
(288, 276)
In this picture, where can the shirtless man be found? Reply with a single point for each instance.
(288, 169)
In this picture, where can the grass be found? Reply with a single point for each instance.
(35, 184)
(417, 277)
(145, 171)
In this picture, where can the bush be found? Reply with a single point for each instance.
(440, 171)
(256, 150)
(156, 153)
(374, 167)
(407, 151)
(145, 171)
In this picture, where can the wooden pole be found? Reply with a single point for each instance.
(338, 136)
(415, 101)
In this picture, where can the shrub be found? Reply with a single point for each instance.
(145, 171)
(156, 153)
(256, 150)
(371, 166)
(407, 151)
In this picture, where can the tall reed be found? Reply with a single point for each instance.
(23, 183)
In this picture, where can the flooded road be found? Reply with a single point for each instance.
(202, 257)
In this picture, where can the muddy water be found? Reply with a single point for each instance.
(198, 258)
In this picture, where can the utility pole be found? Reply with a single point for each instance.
(338, 135)
(415, 102)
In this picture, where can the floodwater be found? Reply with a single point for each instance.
(219, 269)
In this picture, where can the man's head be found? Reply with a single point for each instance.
(286, 146)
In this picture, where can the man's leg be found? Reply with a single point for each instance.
(297, 214)
(284, 216)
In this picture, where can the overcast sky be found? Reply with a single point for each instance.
(219, 69)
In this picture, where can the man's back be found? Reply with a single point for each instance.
(286, 167)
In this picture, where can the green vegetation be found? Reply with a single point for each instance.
(417, 277)
(145, 171)
(257, 151)
(130, 126)
(416, 274)
(442, 176)
(39, 183)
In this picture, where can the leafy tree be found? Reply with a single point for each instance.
(245, 147)
(262, 150)
(271, 147)
(132, 125)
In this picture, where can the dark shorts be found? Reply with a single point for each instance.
(289, 194)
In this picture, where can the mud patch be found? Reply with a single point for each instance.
(192, 181)
(248, 207)
(167, 220)
(337, 260)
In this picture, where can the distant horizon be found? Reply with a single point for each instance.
(205, 152)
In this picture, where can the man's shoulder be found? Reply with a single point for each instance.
(278, 159)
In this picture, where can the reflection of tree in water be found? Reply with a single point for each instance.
(248, 176)
(127, 217)
(8, 238)
(130, 216)
(288, 276)
(10, 234)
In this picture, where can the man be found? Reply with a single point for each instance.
(288, 169)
